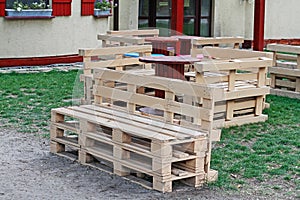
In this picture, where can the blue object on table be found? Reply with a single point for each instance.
(136, 55)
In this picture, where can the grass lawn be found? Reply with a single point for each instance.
(251, 153)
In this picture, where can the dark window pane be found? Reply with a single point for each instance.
(204, 27)
(163, 7)
(205, 7)
(189, 7)
(164, 26)
(143, 23)
(144, 8)
(189, 27)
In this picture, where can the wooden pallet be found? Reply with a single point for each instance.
(244, 81)
(285, 75)
(164, 147)
(199, 43)
(110, 57)
(136, 33)
(119, 40)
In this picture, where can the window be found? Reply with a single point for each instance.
(155, 14)
(197, 17)
(9, 3)
(59, 7)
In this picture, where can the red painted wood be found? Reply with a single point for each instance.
(10, 62)
(160, 44)
(177, 15)
(259, 23)
(61, 7)
(87, 7)
(2, 8)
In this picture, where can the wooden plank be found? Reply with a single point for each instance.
(247, 93)
(217, 40)
(285, 93)
(144, 120)
(168, 129)
(285, 83)
(237, 121)
(284, 48)
(221, 53)
(115, 50)
(112, 63)
(117, 38)
(175, 85)
(280, 56)
(284, 71)
(234, 64)
(146, 32)
(154, 102)
(113, 124)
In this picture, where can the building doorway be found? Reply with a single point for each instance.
(195, 18)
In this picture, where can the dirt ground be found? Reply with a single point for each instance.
(29, 171)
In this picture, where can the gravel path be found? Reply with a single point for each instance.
(29, 171)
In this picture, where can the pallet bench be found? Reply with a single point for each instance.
(119, 40)
(285, 73)
(199, 43)
(135, 33)
(113, 58)
(156, 149)
(242, 75)
(127, 37)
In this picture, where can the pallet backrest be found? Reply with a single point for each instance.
(229, 72)
(139, 33)
(198, 43)
(164, 108)
(227, 54)
(118, 40)
(280, 53)
(112, 57)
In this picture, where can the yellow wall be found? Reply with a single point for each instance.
(50, 37)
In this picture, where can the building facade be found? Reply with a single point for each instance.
(73, 26)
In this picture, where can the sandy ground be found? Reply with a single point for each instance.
(29, 171)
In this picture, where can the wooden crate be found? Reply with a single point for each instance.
(119, 40)
(136, 33)
(164, 147)
(199, 43)
(244, 81)
(285, 75)
(113, 58)
(64, 134)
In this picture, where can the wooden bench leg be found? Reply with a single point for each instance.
(119, 153)
(56, 147)
(162, 186)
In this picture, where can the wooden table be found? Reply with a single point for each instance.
(169, 67)
(184, 43)
(160, 44)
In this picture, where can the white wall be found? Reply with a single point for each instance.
(282, 19)
(50, 37)
(236, 18)
(229, 18)
(128, 14)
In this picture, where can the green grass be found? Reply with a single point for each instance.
(26, 99)
(259, 152)
(263, 150)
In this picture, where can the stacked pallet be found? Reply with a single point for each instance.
(199, 43)
(285, 75)
(120, 134)
(126, 37)
(243, 76)
(113, 58)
